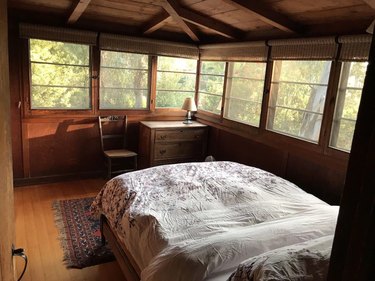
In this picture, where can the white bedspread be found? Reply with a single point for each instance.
(306, 261)
(189, 221)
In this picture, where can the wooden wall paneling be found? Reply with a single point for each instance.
(353, 249)
(15, 101)
(235, 148)
(6, 176)
(25, 150)
(322, 180)
(63, 147)
(79, 8)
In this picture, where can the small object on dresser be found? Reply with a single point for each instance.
(190, 106)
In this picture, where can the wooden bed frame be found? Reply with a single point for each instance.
(127, 263)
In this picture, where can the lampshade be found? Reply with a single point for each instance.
(189, 104)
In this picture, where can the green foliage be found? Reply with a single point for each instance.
(123, 80)
(344, 128)
(211, 86)
(175, 81)
(59, 75)
(245, 92)
(298, 94)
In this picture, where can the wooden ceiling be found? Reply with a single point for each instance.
(203, 20)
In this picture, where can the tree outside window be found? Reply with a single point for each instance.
(347, 104)
(211, 86)
(124, 80)
(60, 75)
(175, 81)
(298, 94)
(244, 92)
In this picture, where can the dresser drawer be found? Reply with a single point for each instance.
(177, 150)
(179, 135)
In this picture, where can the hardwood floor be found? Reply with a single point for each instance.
(36, 232)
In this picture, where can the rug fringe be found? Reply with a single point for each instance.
(62, 236)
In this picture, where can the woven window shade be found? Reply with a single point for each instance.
(246, 51)
(320, 48)
(147, 46)
(57, 34)
(355, 47)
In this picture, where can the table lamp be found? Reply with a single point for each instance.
(190, 106)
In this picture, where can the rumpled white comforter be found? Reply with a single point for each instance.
(187, 221)
(306, 261)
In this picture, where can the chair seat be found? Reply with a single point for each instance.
(118, 153)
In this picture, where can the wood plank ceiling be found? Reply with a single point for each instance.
(204, 20)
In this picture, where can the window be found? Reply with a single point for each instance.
(60, 75)
(175, 81)
(347, 104)
(124, 80)
(211, 86)
(298, 93)
(244, 92)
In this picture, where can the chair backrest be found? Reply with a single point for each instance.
(113, 130)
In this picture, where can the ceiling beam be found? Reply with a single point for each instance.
(172, 7)
(155, 23)
(267, 15)
(78, 10)
(210, 23)
(371, 3)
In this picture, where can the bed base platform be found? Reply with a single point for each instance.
(127, 264)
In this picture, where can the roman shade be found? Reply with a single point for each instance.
(148, 46)
(245, 51)
(354, 47)
(318, 48)
(57, 34)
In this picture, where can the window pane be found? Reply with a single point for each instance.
(123, 98)
(244, 93)
(211, 86)
(45, 97)
(60, 75)
(124, 80)
(175, 81)
(59, 52)
(347, 104)
(298, 93)
(172, 98)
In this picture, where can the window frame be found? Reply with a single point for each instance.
(28, 111)
(172, 109)
(318, 142)
(121, 110)
(226, 99)
(220, 115)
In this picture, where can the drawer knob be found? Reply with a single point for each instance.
(162, 151)
(163, 137)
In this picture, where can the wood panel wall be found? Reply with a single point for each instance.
(6, 185)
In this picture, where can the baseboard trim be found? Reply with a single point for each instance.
(57, 178)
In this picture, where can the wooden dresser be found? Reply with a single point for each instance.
(167, 142)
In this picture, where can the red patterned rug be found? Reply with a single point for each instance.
(79, 233)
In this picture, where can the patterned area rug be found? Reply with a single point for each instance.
(79, 233)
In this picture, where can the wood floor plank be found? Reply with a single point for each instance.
(36, 232)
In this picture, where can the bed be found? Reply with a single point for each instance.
(206, 221)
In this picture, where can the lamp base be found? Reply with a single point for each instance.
(187, 121)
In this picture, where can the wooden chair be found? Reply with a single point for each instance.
(113, 143)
